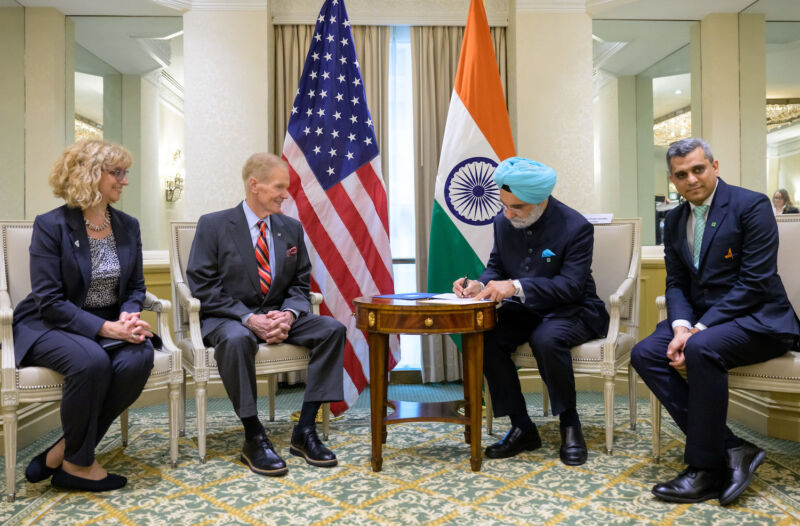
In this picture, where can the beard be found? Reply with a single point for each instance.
(525, 222)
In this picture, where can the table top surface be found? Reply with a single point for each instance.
(396, 304)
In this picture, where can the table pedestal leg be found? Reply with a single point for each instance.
(468, 390)
(378, 347)
(472, 347)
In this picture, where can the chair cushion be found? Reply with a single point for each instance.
(162, 363)
(38, 378)
(591, 351)
(266, 355)
(44, 378)
(786, 367)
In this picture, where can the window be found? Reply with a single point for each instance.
(402, 213)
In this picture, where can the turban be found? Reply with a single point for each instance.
(529, 180)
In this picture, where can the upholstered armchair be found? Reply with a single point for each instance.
(615, 267)
(780, 374)
(198, 360)
(39, 384)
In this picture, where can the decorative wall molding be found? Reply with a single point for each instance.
(215, 5)
(788, 148)
(551, 6)
(391, 12)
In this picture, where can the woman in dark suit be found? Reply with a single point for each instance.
(87, 289)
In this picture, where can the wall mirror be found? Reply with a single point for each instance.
(128, 86)
(642, 102)
(783, 94)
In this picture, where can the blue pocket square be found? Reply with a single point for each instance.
(546, 253)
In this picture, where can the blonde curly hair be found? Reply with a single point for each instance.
(77, 172)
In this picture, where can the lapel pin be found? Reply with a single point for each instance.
(713, 225)
(729, 255)
(78, 243)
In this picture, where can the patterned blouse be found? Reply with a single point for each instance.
(105, 273)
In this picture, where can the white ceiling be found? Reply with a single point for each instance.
(127, 43)
(105, 7)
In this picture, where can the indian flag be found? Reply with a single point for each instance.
(477, 136)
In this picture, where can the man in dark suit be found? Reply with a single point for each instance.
(250, 270)
(726, 308)
(540, 269)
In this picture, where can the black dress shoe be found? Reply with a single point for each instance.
(37, 469)
(573, 446)
(742, 464)
(692, 485)
(306, 444)
(259, 455)
(63, 480)
(515, 441)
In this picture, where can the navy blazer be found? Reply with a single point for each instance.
(552, 259)
(222, 271)
(737, 275)
(61, 270)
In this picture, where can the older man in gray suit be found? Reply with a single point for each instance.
(250, 270)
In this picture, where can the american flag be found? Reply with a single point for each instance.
(336, 187)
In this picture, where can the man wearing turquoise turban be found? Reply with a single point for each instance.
(540, 269)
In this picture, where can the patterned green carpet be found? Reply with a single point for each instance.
(426, 478)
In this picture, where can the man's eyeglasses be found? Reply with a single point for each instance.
(118, 173)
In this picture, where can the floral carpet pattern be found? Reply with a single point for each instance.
(426, 478)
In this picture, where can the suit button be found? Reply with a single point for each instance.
(530, 251)
(529, 232)
(527, 267)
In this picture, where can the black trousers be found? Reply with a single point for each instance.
(98, 385)
(550, 339)
(698, 403)
(235, 348)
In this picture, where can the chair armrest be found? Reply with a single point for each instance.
(162, 308)
(155, 304)
(8, 362)
(661, 304)
(316, 301)
(624, 291)
(192, 306)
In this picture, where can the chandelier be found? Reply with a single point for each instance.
(673, 128)
(678, 125)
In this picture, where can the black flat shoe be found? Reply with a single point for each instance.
(306, 444)
(37, 469)
(742, 464)
(63, 480)
(573, 446)
(515, 441)
(692, 485)
(259, 455)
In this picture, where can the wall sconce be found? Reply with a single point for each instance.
(173, 183)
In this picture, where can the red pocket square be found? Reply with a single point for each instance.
(291, 252)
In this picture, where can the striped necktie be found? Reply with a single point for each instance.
(262, 256)
(699, 227)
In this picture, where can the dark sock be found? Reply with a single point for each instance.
(732, 441)
(522, 421)
(252, 427)
(308, 414)
(569, 418)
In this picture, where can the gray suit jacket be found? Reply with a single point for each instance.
(223, 273)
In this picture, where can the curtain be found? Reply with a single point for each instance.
(435, 52)
(372, 47)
